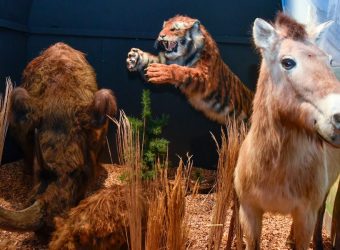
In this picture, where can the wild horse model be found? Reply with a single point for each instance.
(290, 157)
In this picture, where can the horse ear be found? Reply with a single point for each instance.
(264, 34)
(316, 33)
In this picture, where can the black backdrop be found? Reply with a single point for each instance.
(106, 30)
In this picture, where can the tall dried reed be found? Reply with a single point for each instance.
(129, 154)
(177, 228)
(167, 225)
(228, 154)
(4, 110)
(164, 226)
(156, 230)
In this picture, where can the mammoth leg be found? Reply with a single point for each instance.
(21, 126)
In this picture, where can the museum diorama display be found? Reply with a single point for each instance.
(169, 125)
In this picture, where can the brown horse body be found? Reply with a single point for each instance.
(286, 164)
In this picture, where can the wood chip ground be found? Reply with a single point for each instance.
(15, 185)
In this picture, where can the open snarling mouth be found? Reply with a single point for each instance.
(169, 46)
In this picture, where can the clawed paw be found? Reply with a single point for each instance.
(159, 73)
(134, 59)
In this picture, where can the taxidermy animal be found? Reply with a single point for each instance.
(59, 118)
(291, 156)
(99, 222)
(189, 59)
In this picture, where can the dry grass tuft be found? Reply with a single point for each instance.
(164, 225)
(177, 228)
(167, 227)
(228, 154)
(4, 111)
(156, 233)
(129, 154)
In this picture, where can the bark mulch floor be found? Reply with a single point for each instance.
(15, 185)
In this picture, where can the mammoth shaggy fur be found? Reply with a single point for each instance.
(98, 222)
(59, 117)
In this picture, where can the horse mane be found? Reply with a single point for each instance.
(290, 28)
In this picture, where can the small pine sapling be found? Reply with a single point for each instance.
(154, 147)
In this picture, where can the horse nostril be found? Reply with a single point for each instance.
(336, 120)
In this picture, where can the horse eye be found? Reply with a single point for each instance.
(288, 63)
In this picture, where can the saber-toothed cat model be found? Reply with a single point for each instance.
(190, 60)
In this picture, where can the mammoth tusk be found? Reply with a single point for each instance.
(28, 219)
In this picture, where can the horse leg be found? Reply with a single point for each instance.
(251, 224)
(317, 236)
(232, 226)
(303, 226)
(290, 240)
(335, 235)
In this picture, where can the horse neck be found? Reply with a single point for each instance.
(267, 130)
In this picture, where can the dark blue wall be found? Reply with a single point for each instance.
(106, 30)
(13, 38)
(14, 17)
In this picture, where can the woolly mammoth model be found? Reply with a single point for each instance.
(59, 118)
